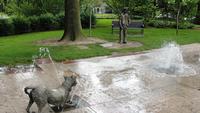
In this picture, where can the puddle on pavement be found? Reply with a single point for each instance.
(17, 69)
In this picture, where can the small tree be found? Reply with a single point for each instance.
(178, 6)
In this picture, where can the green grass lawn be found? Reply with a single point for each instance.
(19, 49)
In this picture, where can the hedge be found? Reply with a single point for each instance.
(169, 24)
(34, 23)
(21, 25)
(85, 20)
(197, 21)
(48, 22)
(44, 22)
(6, 27)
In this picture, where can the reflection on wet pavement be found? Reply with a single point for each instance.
(113, 85)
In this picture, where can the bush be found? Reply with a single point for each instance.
(47, 22)
(6, 27)
(34, 23)
(21, 24)
(169, 24)
(60, 20)
(85, 20)
(161, 24)
(186, 25)
(196, 21)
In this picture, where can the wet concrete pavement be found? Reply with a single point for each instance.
(124, 84)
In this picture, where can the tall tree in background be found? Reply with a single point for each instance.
(72, 29)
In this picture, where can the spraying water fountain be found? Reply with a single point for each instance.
(44, 57)
(169, 60)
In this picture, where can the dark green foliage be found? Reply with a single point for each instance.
(169, 24)
(6, 27)
(197, 18)
(60, 20)
(47, 22)
(161, 24)
(21, 24)
(85, 20)
(197, 21)
(34, 23)
(186, 25)
(34, 7)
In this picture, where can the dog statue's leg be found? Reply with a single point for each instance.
(62, 107)
(70, 104)
(50, 110)
(29, 105)
(41, 107)
(45, 108)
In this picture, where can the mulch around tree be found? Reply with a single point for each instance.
(82, 44)
(85, 41)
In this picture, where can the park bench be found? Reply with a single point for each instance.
(132, 25)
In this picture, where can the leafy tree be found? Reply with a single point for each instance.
(164, 8)
(178, 6)
(144, 8)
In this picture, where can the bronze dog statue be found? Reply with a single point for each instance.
(57, 97)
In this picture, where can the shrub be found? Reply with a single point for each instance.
(60, 20)
(169, 24)
(21, 24)
(34, 23)
(44, 22)
(160, 23)
(85, 20)
(6, 26)
(196, 21)
(186, 25)
(48, 22)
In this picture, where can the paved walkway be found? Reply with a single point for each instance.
(125, 84)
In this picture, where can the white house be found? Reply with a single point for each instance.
(102, 9)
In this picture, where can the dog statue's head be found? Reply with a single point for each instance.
(70, 78)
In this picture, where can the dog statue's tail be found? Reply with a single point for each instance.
(26, 90)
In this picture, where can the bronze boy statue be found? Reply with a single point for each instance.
(124, 21)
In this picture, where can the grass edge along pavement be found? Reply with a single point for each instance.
(19, 49)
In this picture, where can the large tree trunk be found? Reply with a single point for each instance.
(72, 29)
